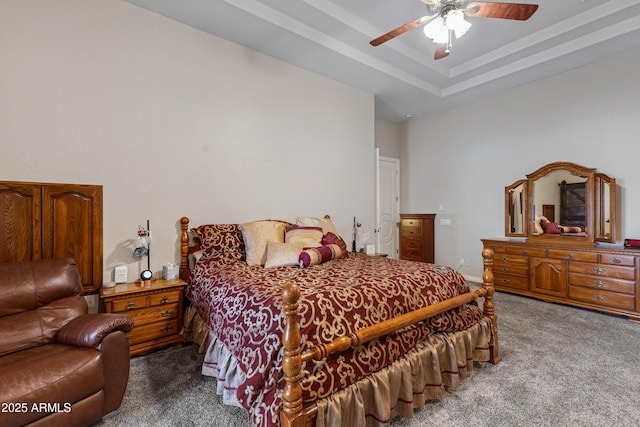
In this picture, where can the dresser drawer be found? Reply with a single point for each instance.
(603, 270)
(140, 334)
(164, 298)
(411, 254)
(603, 298)
(154, 314)
(604, 283)
(410, 227)
(573, 255)
(518, 250)
(514, 269)
(130, 303)
(615, 259)
(497, 249)
(411, 243)
(502, 259)
(515, 282)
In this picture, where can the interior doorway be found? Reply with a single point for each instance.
(387, 205)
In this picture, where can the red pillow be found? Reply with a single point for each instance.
(319, 255)
(550, 227)
(332, 239)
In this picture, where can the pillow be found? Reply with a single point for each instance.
(332, 239)
(319, 255)
(326, 223)
(282, 254)
(571, 229)
(221, 239)
(550, 227)
(310, 236)
(257, 234)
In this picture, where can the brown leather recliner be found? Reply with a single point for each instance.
(59, 365)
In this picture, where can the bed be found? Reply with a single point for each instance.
(334, 338)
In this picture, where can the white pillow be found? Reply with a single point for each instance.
(257, 234)
(282, 254)
(326, 223)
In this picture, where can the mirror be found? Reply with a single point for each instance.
(516, 209)
(562, 202)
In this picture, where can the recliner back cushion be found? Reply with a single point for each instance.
(36, 299)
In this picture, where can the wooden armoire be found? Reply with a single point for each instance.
(42, 220)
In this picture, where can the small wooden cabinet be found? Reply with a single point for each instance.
(416, 237)
(156, 308)
(603, 278)
(42, 220)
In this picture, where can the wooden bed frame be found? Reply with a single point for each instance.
(294, 413)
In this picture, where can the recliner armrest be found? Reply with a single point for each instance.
(88, 330)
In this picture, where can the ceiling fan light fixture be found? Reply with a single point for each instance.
(455, 21)
(438, 29)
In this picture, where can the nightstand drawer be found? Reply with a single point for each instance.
(164, 298)
(152, 331)
(154, 314)
(130, 303)
(411, 243)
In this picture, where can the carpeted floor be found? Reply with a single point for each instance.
(562, 366)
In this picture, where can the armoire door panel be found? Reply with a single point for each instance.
(20, 235)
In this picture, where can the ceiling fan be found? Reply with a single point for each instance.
(446, 17)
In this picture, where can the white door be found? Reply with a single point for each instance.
(387, 205)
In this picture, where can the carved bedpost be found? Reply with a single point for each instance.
(291, 414)
(184, 249)
(489, 306)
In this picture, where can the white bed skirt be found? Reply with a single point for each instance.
(417, 377)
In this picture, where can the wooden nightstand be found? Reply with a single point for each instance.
(156, 309)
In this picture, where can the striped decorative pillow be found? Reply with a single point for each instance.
(319, 255)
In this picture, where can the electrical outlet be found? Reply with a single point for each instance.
(461, 262)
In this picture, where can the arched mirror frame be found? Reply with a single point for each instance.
(515, 223)
(600, 203)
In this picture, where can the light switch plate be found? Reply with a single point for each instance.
(120, 275)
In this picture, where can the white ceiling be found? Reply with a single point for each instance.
(331, 37)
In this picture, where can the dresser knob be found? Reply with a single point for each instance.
(599, 297)
(131, 306)
(505, 270)
(617, 260)
(166, 329)
(166, 313)
(524, 252)
(571, 256)
(599, 283)
(164, 300)
(505, 281)
(505, 259)
(599, 270)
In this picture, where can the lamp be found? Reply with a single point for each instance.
(452, 20)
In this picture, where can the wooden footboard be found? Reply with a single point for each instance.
(294, 413)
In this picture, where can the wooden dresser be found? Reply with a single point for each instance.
(603, 278)
(156, 309)
(416, 237)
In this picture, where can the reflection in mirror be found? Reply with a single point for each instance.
(516, 208)
(605, 201)
(563, 195)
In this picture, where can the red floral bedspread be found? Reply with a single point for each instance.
(242, 305)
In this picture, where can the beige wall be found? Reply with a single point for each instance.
(172, 122)
(462, 159)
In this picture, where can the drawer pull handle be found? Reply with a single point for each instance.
(524, 252)
(166, 329)
(505, 281)
(599, 297)
(617, 260)
(571, 256)
(131, 306)
(599, 283)
(166, 313)
(599, 270)
(493, 248)
(505, 259)
(505, 270)
(164, 300)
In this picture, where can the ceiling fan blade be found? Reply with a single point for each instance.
(517, 11)
(442, 51)
(401, 30)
